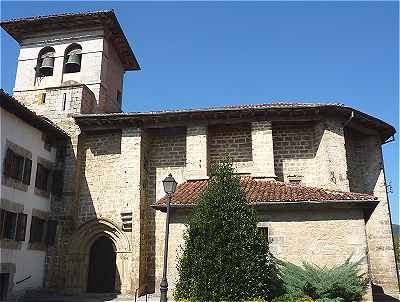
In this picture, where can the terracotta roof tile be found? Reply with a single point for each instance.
(265, 191)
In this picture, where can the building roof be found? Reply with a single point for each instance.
(23, 28)
(263, 192)
(10, 104)
(275, 111)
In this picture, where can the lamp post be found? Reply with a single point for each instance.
(169, 184)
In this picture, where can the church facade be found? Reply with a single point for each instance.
(314, 172)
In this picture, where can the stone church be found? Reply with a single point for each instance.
(314, 172)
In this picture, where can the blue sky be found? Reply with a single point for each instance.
(200, 54)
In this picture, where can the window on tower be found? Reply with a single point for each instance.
(45, 62)
(72, 58)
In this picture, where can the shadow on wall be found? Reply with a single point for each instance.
(166, 148)
(379, 295)
(364, 164)
(90, 249)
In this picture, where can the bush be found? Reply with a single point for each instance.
(290, 298)
(343, 281)
(225, 257)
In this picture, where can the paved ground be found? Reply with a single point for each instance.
(89, 298)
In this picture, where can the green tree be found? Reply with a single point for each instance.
(225, 257)
(397, 247)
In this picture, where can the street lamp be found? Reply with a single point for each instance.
(169, 184)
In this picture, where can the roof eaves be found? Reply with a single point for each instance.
(284, 204)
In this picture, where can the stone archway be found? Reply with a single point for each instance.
(78, 257)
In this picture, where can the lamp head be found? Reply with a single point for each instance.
(169, 184)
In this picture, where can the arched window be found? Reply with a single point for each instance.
(72, 58)
(45, 62)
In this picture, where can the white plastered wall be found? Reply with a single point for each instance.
(27, 262)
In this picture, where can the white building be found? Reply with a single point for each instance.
(30, 150)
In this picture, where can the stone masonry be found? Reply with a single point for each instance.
(114, 165)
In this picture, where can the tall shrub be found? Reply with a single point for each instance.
(225, 257)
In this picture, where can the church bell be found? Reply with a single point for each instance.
(73, 63)
(47, 66)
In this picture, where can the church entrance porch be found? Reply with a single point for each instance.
(102, 266)
(99, 259)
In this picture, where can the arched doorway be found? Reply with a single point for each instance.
(102, 266)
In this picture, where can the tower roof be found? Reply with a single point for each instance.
(23, 28)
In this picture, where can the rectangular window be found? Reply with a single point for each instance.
(10, 225)
(51, 232)
(64, 105)
(37, 229)
(21, 227)
(42, 178)
(13, 165)
(17, 167)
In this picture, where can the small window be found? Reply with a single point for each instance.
(42, 178)
(17, 167)
(64, 104)
(37, 229)
(12, 225)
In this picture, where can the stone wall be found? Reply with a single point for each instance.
(101, 177)
(233, 140)
(59, 103)
(366, 175)
(109, 164)
(166, 153)
(330, 157)
(294, 151)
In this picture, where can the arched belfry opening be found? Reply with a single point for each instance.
(102, 266)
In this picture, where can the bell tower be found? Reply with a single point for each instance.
(71, 63)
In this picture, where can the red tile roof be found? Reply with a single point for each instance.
(264, 191)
